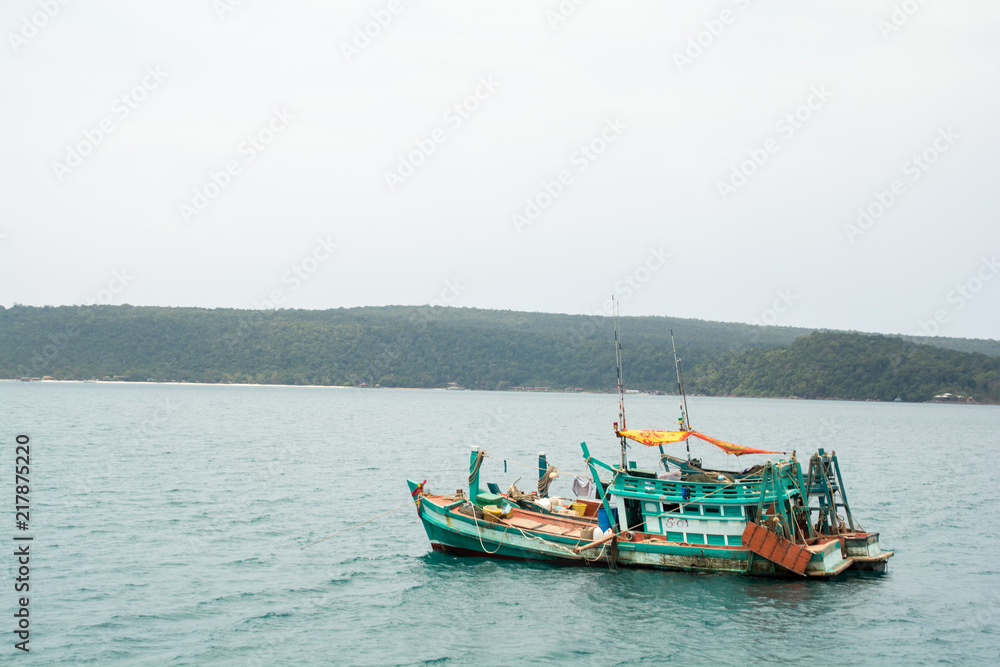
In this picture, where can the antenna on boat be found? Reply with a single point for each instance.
(621, 387)
(684, 423)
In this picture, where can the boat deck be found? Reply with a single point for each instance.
(562, 525)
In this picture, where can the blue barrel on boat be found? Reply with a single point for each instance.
(602, 517)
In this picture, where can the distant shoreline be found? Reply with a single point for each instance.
(505, 391)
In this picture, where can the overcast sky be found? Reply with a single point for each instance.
(698, 159)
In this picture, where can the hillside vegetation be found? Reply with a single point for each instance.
(852, 366)
(480, 349)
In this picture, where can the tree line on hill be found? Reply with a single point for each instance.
(402, 346)
(853, 366)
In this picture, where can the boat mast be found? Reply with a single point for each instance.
(684, 423)
(621, 387)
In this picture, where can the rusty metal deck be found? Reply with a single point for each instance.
(776, 549)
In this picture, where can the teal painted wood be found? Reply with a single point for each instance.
(473, 474)
(592, 466)
(735, 554)
(452, 531)
(843, 491)
(458, 531)
(454, 540)
(738, 493)
(543, 465)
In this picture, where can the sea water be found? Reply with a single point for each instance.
(168, 521)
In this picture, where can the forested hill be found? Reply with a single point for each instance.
(852, 366)
(388, 346)
(391, 346)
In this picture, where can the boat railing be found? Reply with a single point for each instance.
(738, 491)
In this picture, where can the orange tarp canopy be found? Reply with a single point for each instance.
(655, 438)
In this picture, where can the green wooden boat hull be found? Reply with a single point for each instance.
(453, 532)
(756, 524)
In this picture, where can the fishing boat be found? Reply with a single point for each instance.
(771, 519)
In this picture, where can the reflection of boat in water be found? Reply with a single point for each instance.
(772, 519)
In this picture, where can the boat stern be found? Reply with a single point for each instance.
(865, 552)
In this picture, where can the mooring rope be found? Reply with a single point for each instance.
(545, 480)
(480, 455)
(479, 534)
(506, 529)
